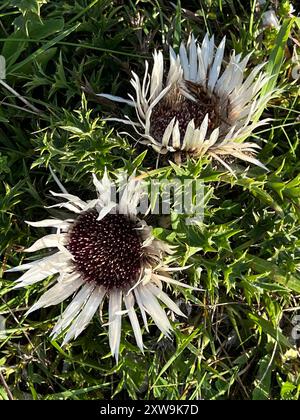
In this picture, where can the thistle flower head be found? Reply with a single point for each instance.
(104, 251)
(202, 105)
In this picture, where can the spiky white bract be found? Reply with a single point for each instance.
(269, 19)
(203, 106)
(74, 275)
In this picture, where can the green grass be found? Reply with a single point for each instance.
(236, 342)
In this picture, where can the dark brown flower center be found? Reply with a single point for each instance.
(108, 251)
(184, 110)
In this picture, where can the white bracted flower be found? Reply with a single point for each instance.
(203, 106)
(105, 250)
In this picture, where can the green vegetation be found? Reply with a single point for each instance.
(237, 340)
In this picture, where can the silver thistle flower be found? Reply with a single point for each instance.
(105, 250)
(203, 106)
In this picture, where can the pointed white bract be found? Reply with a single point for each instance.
(87, 293)
(226, 104)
